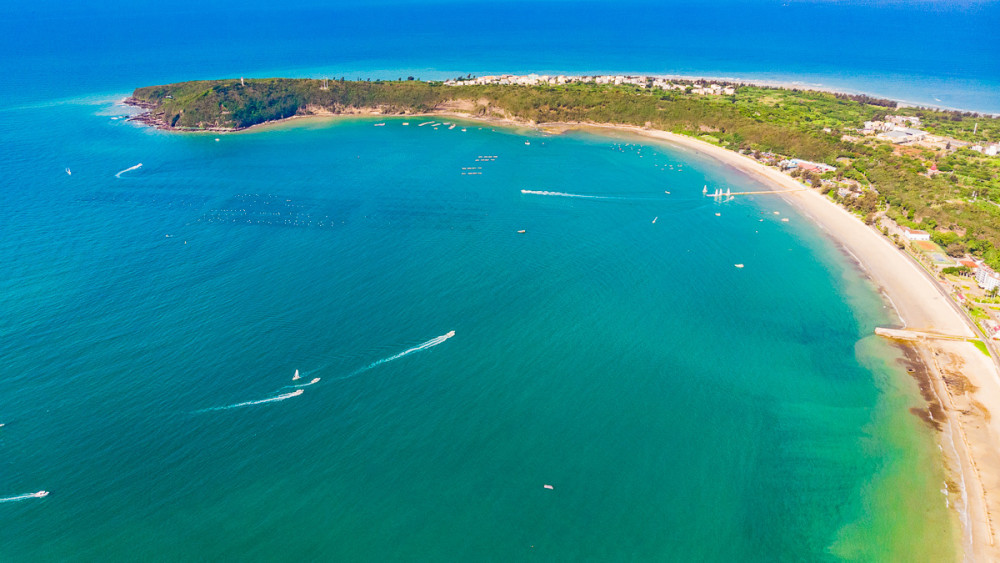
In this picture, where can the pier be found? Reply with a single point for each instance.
(902, 334)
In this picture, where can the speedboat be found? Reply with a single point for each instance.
(40, 494)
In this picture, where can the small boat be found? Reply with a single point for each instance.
(380, 124)
(296, 377)
(40, 494)
(739, 265)
(549, 487)
(521, 232)
(527, 142)
(216, 139)
(666, 192)
(452, 126)
(463, 129)
(655, 218)
(69, 172)
(784, 219)
(718, 214)
(406, 123)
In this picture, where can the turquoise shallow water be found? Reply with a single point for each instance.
(680, 407)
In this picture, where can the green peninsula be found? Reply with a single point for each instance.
(922, 168)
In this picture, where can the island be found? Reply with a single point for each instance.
(913, 194)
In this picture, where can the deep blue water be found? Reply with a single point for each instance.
(928, 52)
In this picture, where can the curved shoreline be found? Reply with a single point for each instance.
(965, 385)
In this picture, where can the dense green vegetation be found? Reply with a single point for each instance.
(959, 202)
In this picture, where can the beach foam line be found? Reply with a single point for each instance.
(23, 497)
(129, 169)
(429, 344)
(281, 397)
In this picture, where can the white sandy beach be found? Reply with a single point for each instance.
(965, 380)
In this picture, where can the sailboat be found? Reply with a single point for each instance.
(705, 189)
(296, 377)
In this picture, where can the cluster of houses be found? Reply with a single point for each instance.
(640, 81)
(986, 277)
(817, 167)
(988, 150)
(898, 129)
(905, 129)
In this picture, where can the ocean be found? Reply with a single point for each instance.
(927, 53)
(152, 320)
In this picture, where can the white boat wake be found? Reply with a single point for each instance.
(429, 344)
(562, 194)
(583, 196)
(129, 169)
(39, 494)
(281, 397)
(314, 381)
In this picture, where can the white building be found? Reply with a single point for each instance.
(913, 234)
(987, 278)
(903, 121)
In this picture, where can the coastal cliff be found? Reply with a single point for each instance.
(232, 105)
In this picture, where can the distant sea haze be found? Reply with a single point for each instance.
(929, 53)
